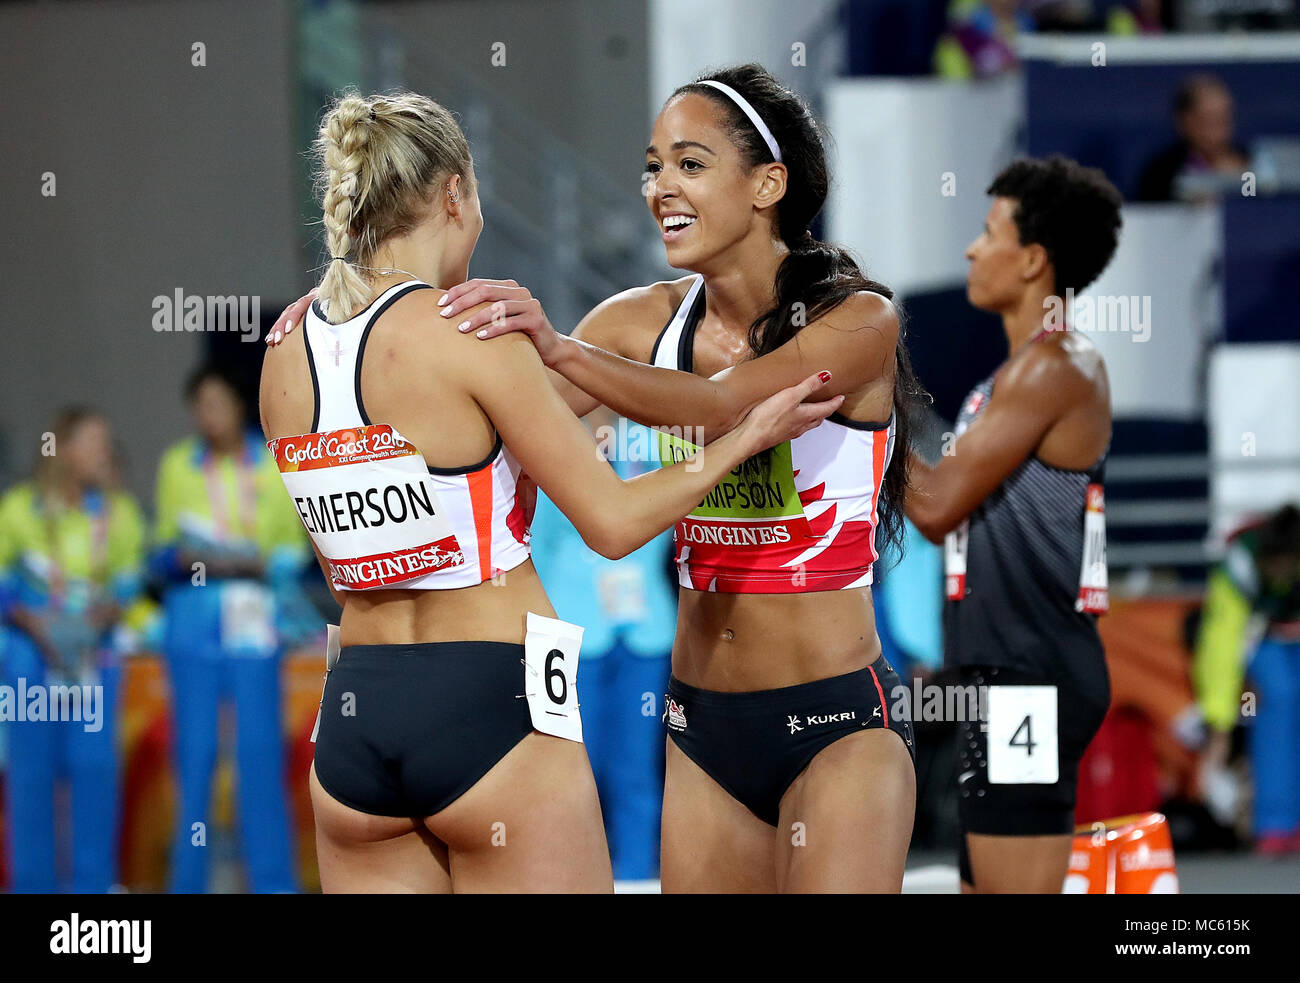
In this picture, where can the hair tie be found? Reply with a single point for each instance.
(749, 111)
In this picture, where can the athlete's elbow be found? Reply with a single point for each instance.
(933, 533)
(610, 547)
(607, 538)
(929, 522)
(617, 550)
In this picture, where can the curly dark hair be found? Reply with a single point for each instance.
(1072, 211)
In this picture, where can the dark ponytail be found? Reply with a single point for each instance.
(816, 277)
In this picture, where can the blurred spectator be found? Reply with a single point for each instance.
(1216, 16)
(1112, 16)
(227, 539)
(1252, 624)
(1136, 17)
(71, 553)
(628, 610)
(980, 42)
(1204, 161)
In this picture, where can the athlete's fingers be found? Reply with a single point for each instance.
(802, 390)
(453, 292)
(522, 315)
(810, 415)
(290, 318)
(484, 294)
(465, 295)
(502, 317)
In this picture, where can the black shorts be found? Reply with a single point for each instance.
(405, 730)
(1027, 809)
(755, 744)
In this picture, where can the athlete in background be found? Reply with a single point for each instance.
(1017, 503)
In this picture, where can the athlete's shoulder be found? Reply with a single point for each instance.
(864, 308)
(628, 322)
(414, 349)
(411, 331)
(660, 297)
(1059, 368)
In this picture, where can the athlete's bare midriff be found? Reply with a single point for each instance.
(740, 642)
(491, 612)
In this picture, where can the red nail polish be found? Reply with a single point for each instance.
(824, 376)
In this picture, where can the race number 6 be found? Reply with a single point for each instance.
(552, 674)
(550, 666)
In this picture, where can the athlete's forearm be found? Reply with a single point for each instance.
(921, 504)
(647, 394)
(581, 403)
(653, 502)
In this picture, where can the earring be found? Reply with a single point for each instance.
(453, 198)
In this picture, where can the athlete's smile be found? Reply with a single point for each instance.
(675, 224)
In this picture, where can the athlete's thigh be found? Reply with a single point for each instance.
(846, 821)
(363, 854)
(531, 824)
(709, 842)
(1019, 864)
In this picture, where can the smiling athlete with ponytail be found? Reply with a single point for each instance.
(789, 767)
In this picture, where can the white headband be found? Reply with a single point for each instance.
(748, 110)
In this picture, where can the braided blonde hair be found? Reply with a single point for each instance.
(380, 162)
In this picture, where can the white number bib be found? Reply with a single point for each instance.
(365, 497)
(1022, 735)
(247, 623)
(1094, 594)
(550, 669)
(954, 562)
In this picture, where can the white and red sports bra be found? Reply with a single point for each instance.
(804, 519)
(378, 514)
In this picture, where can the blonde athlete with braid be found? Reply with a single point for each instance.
(449, 754)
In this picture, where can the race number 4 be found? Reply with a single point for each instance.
(550, 668)
(1022, 735)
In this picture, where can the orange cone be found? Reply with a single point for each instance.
(1128, 855)
(1144, 857)
(1089, 864)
